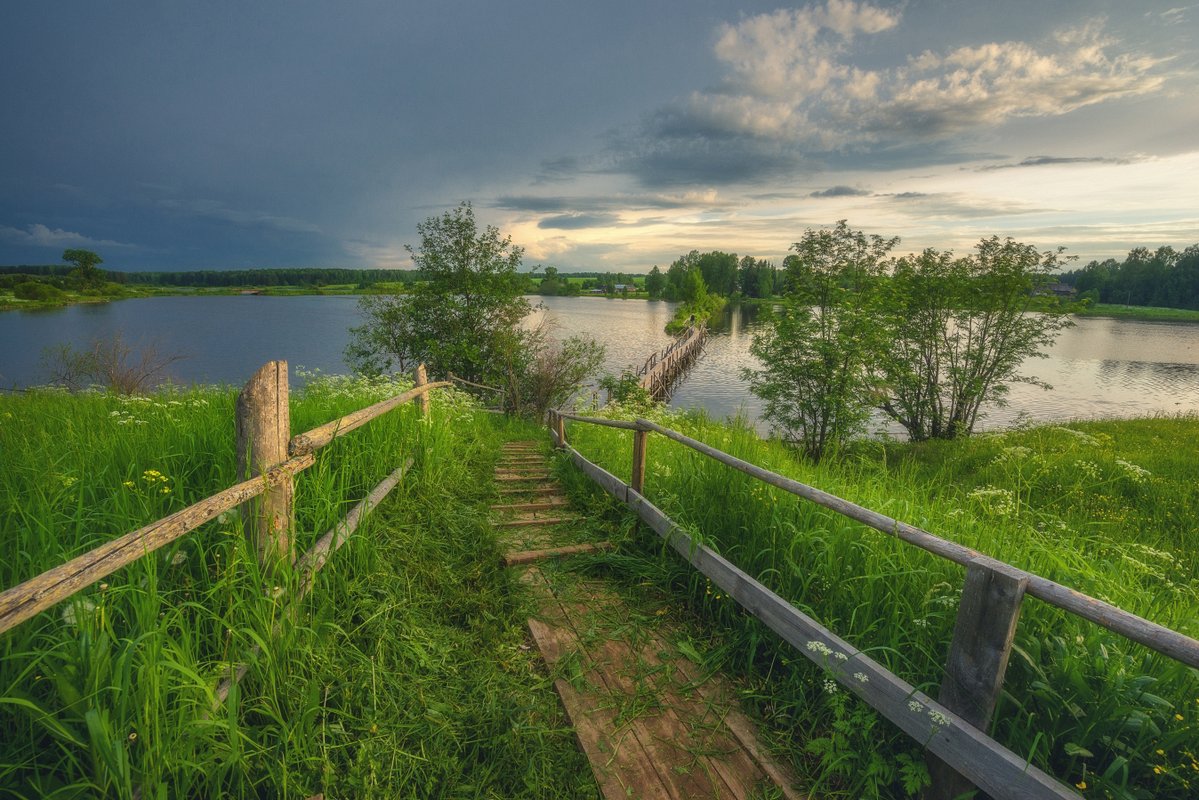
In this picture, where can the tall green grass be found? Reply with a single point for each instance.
(1108, 508)
(403, 674)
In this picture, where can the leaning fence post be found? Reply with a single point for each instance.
(639, 441)
(263, 424)
(978, 656)
(422, 378)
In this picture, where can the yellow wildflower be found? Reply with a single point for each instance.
(1081, 784)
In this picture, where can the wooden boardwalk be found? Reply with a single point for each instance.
(651, 724)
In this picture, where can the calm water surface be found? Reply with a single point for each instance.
(1101, 367)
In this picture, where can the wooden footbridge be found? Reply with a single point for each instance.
(662, 370)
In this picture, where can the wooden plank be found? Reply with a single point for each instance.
(323, 435)
(37, 594)
(1156, 637)
(621, 765)
(530, 556)
(543, 489)
(533, 476)
(530, 506)
(543, 521)
(263, 425)
(978, 657)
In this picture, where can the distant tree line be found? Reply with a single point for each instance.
(696, 274)
(287, 276)
(1164, 278)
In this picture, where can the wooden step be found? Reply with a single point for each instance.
(530, 506)
(534, 476)
(547, 488)
(526, 523)
(529, 556)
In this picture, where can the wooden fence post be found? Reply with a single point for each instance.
(263, 429)
(638, 480)
(559, 428)
(978, 656)
(422, 378)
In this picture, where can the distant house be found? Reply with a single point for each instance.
(1058, 289)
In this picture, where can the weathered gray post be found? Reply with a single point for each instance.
(978, 656)
(637, 482)
(263, 428)
(422, 378)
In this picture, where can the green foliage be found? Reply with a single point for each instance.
(815, 350)
(1162, 278)
(86, 266)
(957, 331)
(465, 319)
(551, 372)
(655, 283)
(37, 291)
(1106, 508)
(403, 673)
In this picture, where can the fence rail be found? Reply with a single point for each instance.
(952, 728)
(261, 407)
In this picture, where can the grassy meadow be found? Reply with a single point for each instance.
(1107, 508)
(406, 673)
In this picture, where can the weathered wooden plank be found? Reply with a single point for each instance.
(541, 521)
(323, 435)
(530, 506)
(37, 594)
(530, 556)
(978, 657)
(421, 378)
(607, 423)
(263, 424)
(545, 488)
(534, 476)
(637, 481)
(610, 483)
(1156, 637)
(621, 766)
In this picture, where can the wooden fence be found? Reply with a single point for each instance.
(952, 727)
(268, 459)
(662, 369)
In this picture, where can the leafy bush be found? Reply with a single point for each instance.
(35, 290)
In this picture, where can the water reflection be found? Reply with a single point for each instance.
(1101, 367)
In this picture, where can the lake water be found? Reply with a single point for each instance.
(1101, 367)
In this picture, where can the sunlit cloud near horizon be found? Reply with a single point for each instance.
(609, 138)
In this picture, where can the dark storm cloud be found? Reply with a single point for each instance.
(1048, 161)
(841, 191)
(571, 222)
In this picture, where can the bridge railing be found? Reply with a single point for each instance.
(951, 727)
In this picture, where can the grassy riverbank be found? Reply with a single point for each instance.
(407, 673)
(1138, 312)
(1107, 508)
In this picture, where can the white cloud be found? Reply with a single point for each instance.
(38, 235)
(791, 79)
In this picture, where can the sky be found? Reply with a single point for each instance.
(605, 136)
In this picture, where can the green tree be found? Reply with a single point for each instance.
(464, 319)
(86, 266)
(815, 350)
(655, 283)
(959, 331)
